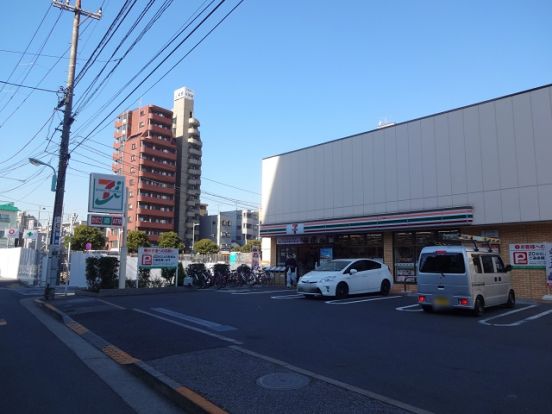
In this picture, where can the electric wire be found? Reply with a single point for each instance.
(29, 87)
(28, 46)
(150, 62)
(32, 65)
(88, 94)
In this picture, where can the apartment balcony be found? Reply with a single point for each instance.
(195, 151)
(155, 200)
(162, 131)
(195, 141)
(158, 153)
(193, 122)
(194, 172)
(194, 161)
(165, 120)
(193, 132)
(158, 165)
(192, 203)
(146, 225)
(193, 191)
(191, 214)
(155, 213)
(194, 181)
(163, 190)
(157, 177)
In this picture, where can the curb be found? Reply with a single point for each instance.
(180, 395)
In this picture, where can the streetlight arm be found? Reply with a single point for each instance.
(37, 163)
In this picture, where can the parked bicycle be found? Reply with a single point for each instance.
(199, 274)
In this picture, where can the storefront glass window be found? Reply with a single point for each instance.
(407, 248)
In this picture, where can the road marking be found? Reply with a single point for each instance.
(353, 301)
(486, 321)
(193, 328)
(296, 296)
(404, 308)
(337, 383)
(522, 321)
(258, 293)
(214, 326)
(112, 304)
(3, 322)
(118, 355)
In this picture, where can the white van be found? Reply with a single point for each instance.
(459, 277)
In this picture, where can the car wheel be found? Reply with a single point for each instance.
(511, 300)
(479, 307)
(427, 308)
(385, 287)
(342, 290)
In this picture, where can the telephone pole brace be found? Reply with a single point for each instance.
(54, 256)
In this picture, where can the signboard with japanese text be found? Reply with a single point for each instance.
(288, 240)
(548, 263)
(99, 220)
(157, 257)
(527, 255)
(106, 193)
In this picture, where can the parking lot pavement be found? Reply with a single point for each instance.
(374, 346)
(194, 353)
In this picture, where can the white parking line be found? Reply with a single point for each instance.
(486, 321)
(193, 328)
(258, 293)
(353, 301)
(214, 326)
(287, 297)
(404, 308)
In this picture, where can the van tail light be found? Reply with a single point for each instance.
(421, 298)
(463, 301)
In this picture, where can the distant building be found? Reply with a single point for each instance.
(8, 220)
(146, 154)
(188, 176)
(230, 227)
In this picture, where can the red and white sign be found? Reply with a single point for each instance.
(527, 255)
(11, 233)
(157, 257)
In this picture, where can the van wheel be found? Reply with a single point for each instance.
(479, 307)
(385, 287)
(511, 300)
(342, 290)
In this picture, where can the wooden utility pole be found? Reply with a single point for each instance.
(54, 257)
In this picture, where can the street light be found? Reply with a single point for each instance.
(193, 235)
(36, 163)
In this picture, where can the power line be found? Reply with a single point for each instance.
(28, 87)
(28, 45)
(49, 56)
(154, 69)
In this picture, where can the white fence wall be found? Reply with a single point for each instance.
(19, 263)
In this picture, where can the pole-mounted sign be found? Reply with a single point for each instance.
(106, 193)
(101, 220)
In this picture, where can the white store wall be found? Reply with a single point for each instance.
(493, 156)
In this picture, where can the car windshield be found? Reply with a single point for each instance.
(442, 263)
(333, 265)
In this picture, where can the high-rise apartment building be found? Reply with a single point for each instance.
(188, 175)
(146, 154)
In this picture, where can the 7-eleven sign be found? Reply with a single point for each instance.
(106, 193)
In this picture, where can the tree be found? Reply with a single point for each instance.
(135, 239)
(205, 246)
(83, 234)
(248, 247)
(170, 239)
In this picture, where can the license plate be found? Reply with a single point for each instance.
(441, 301)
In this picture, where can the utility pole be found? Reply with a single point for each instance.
(54, 257)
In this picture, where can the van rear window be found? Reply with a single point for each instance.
(442, 263)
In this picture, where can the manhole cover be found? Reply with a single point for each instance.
(283, 381)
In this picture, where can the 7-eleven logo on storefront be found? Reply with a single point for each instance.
(106, 193)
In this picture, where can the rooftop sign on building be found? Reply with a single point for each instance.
(183, 93)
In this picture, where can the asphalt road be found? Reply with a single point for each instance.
(47, 368)
(445, 363)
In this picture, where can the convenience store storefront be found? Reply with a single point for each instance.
(395, 239)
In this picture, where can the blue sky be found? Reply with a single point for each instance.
(277, 75)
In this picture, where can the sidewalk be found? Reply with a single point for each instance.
(208, 373)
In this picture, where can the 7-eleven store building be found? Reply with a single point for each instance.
(482, 170)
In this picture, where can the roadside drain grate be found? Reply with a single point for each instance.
(283, 381)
